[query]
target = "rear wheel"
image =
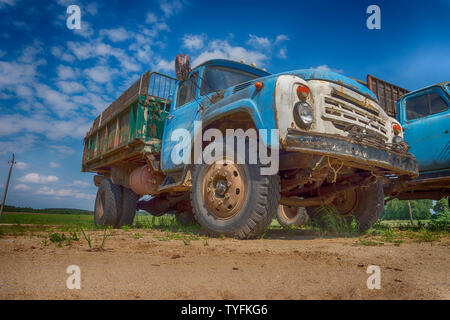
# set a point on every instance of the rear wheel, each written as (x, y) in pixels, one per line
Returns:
(107, 203)
(291, 216)
(128, 208)
(364, 203)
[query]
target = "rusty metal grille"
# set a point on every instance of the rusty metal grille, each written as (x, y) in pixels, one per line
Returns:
(343, 113)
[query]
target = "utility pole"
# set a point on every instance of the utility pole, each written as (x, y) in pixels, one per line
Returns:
(12, 162)
(410, 213)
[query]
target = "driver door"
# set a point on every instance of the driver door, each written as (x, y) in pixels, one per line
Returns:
(182, 116)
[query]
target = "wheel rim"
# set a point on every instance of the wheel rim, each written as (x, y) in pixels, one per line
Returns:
(288, 213)
(100, 202)
(224, 189)
(346, 202)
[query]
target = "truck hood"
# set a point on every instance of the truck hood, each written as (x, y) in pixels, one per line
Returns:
(326, 75)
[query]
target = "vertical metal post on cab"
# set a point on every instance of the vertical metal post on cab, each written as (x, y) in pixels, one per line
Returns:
(12, 162)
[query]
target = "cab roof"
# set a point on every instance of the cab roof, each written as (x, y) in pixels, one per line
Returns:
(234, 65)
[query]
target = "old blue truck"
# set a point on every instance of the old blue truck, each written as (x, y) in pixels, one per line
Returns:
(329, 139)
(425, 118)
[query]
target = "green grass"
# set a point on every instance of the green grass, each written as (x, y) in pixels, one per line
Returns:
(78, 226)
(48, 219)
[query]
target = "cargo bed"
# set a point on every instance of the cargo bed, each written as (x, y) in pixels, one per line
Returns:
(132, 126)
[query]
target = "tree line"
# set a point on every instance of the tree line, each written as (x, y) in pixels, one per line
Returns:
(47, 210)
(421, 209)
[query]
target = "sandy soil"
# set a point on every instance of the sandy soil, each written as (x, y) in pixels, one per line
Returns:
(281, 266)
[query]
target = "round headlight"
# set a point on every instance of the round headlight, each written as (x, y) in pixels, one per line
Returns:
(397, 139)
(303, 115)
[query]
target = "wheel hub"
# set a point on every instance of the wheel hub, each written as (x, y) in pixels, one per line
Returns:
(224, 189)
(345, 202)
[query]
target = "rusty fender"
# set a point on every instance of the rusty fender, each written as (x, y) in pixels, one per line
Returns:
(354, 152)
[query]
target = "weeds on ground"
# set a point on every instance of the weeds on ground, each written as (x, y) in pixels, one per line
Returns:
(429, 232)
(125, 228)
(164, 223)
(327, 220)
(87, 237)
(185, 237)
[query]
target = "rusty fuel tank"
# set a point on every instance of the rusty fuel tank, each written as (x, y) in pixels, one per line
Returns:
(145, 180)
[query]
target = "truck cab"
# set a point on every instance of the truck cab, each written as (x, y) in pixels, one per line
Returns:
(425, 118)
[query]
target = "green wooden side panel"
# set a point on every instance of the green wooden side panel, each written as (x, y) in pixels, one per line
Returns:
(140, 123)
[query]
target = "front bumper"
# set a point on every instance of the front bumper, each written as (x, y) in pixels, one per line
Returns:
(354, 153)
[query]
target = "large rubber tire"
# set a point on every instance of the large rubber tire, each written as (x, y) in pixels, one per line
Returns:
(367, 210)
(257, 209)
(128, 207)
(291, 216)
(107, 203)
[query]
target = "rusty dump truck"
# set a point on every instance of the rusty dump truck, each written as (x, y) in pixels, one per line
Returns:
(325, 135)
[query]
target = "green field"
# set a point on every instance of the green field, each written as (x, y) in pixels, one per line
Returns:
(46, 219)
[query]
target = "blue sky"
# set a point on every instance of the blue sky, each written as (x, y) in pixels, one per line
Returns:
(54, 81)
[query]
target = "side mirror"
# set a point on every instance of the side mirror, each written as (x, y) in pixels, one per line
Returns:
(182, 67)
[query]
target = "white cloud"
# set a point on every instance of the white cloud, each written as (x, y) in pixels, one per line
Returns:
(281, 38)
(21, 165)
(164, 65)
(61, 54)
(64, 193)
(14, 74)
(54, 129)
(59, 102)
(87, 50)
(30, 53)
(63, 149)
(116, 35)
(325, 67)
(54, 165)
(193, 42)
(92, 8)
(101, 74)
(82, 184)
(22, 186)
(151, 18)
(282, 54)
(259, 42)
(37, 178)
(7, 2)
(221, 49)
(70, 87)
(17, 144)
(86, 30)
(66, 72)
(171, 7)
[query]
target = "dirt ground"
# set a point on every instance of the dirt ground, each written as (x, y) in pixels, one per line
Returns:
(281, 266)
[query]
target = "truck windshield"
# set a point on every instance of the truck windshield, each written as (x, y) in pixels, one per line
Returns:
(218, 78)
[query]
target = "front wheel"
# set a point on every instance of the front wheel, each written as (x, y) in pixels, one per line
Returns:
(232, 199)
